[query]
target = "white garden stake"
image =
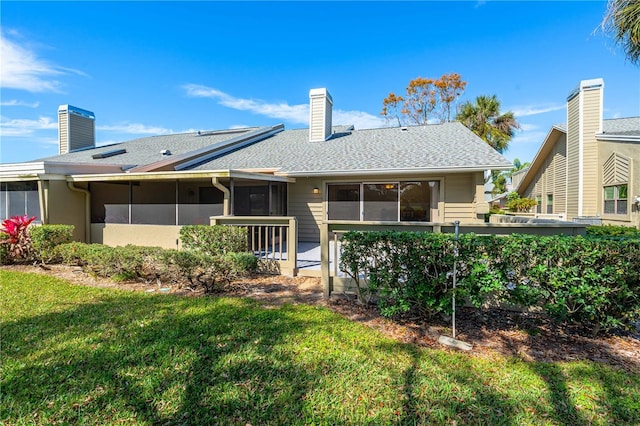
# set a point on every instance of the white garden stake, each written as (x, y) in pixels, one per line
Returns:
(452, 341)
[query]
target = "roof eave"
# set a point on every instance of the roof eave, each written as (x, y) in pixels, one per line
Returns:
(544, 148)
(617, 138)
(177, 175)
(388, 172)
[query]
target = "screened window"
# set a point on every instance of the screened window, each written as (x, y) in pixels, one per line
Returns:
(19, 199)
(615, 199)
(539, 205)
(197, 202)
(109, 202)
(155, 202)
(550, 203)
(344, 202)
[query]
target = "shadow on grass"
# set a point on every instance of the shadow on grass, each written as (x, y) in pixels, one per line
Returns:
(110, 357)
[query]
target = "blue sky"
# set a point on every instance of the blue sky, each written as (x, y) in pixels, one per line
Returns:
(147, 68)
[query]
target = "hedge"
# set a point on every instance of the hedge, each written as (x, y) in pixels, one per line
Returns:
(214, 240)
(45, 238)
(592, 281)
(131, 262)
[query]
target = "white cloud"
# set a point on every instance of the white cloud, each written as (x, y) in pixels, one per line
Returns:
(25, 127)
(360, 120)
(136, 129)
(527, 110)
(292, 113)
(22, 69)
(15, 102)
(527, 127)
(533, 137)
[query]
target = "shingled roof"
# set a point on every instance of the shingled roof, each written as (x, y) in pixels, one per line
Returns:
(445, 147)
(440, 147)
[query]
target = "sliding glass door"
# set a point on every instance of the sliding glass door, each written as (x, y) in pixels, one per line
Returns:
(415, 201)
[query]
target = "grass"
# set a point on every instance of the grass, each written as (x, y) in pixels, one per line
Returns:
(77, 355)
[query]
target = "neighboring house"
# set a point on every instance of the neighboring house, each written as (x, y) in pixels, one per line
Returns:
(142, 191)
(589, 168)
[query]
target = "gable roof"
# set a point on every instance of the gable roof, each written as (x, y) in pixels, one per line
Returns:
(622, 129)
(444, 147)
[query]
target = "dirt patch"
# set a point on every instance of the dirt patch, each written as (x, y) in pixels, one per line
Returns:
(526, 336)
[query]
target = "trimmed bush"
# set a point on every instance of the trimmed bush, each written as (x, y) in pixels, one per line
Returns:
(45, 238)
(612, 231)
(211, 273)
(119, 263)
(214, 240)
(590, 281)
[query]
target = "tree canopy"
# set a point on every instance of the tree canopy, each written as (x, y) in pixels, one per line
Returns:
(426, 100)
(483, 118)
(622, 20)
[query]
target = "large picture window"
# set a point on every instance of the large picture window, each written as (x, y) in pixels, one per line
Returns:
(615, 199)
(415, 201)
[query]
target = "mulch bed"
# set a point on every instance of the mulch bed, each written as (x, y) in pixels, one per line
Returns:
(526, 336)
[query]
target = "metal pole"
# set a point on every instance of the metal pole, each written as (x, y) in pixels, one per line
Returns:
(455, 260)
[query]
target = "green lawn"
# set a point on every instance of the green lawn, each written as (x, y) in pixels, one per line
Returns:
(76, 355)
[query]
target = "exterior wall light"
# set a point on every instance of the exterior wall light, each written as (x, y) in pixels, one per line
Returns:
(316, 190)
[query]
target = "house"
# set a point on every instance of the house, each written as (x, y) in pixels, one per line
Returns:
(141, 191)
(589, 168)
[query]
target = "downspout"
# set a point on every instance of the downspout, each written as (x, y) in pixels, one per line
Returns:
(227, 196)
(87, 210)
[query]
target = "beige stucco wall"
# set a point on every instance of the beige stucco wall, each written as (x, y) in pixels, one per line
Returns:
(64, 206)
(632, 151)
(117, 234)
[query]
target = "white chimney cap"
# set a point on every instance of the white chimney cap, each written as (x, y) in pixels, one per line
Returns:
(320, 92)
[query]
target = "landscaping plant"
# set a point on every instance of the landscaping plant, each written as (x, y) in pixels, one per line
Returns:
(590, 281)
(17, 241)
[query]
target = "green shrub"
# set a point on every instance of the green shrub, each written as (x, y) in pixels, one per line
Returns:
(211, 273)
(591, 281)
(45, 238)
(120, 263)
(4, 252)
(612, 231)
(214, 240)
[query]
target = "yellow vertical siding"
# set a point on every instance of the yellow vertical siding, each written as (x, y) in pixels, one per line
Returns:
(590, 171)
(307, 207)
(573, 156)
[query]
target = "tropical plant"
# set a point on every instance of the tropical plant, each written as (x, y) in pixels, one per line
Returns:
(622, 20)
(17, 241)
(485, 120)
(517, 204)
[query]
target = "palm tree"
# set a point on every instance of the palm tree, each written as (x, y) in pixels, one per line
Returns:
(485, 120)
(623, 21)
